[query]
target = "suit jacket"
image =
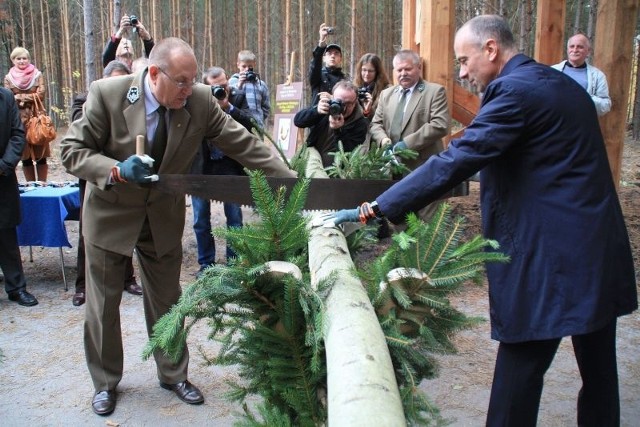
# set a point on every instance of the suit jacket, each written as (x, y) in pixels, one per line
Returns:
(547, 197)
(12, 143)
(424, 124)
(114, 215)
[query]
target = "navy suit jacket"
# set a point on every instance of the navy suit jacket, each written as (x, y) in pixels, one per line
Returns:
(12, 144)
(547, 197)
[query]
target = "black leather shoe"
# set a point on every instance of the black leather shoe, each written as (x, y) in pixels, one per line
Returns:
(104, 402)
(23, 297)
(185, 391)
(78, 299)
(133, 288)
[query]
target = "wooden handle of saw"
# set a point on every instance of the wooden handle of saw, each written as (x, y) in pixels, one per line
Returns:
(139, 145)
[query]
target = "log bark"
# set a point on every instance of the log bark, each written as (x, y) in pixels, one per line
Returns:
(362, 387)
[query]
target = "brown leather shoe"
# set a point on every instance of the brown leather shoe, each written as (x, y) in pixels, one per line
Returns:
(185, 391)
(133, 288)
(104, 402)
(78, 299)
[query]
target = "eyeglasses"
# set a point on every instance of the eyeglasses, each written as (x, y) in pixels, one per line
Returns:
(180, 85)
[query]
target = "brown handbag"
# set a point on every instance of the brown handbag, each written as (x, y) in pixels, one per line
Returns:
(40, 129)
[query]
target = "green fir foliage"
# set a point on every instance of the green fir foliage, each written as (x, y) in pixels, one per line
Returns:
(369, 163)
(270, 328)
(415, 314)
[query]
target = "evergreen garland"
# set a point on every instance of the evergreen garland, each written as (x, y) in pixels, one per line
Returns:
(271, 328)
(414, 311)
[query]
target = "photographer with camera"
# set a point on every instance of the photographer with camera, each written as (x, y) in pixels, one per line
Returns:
(334, 118)
(371, 79)
(119, 46)
(325, 68)
(211, 161)
(255, 89)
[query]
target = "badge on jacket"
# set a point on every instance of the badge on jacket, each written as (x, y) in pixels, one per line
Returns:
(133, 95)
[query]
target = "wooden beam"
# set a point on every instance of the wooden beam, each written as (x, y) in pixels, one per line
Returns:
(437, 25)
(615, 29)
(549, 40)
(465, 105)
(409, 14)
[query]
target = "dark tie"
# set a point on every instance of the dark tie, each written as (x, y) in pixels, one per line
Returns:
(396, 123)
(159, 139)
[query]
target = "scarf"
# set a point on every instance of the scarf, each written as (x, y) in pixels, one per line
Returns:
(24, 79)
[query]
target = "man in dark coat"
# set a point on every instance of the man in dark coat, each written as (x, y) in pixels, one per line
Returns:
(549, 199)
(325, 68)
(348, 125)
(11, 145)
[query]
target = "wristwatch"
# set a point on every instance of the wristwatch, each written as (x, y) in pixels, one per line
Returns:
(376, 209)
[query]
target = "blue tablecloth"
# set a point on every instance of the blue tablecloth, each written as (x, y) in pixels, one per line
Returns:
(44, 211)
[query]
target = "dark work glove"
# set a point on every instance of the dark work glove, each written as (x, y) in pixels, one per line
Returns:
(138, 169)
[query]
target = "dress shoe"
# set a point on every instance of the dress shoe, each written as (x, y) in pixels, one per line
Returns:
(104, 402)
(185, 391)
(78, 298)
(133, 288)
(23, 297)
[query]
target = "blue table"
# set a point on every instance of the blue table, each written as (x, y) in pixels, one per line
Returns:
(44, 211)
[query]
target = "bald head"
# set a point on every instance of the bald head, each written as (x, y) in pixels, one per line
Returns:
(578, 49)
(172, 71)
(483, 45)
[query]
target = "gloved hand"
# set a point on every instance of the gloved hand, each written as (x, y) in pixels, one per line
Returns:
(362, 213)
(138, 169)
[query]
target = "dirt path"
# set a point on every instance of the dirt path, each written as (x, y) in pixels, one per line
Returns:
(45, 381)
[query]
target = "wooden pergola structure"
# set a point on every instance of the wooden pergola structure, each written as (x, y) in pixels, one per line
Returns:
(428, 27)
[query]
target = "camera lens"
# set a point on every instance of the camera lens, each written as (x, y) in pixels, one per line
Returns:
(218, 92)
(251, 76)
(336, 107)
(134, 20)
(331, 30)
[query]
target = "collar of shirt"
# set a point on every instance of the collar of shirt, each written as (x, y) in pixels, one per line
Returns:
(584, 65)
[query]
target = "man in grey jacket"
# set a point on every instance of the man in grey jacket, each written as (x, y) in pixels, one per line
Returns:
(590, 78)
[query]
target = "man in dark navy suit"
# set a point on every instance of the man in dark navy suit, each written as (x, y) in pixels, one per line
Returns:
(11, 145)
(549, 199)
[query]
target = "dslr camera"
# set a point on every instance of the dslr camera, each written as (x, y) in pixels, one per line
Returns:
(134, 20)
(250, 75)
(331, 30)
(336, 107)
(218, 92)
(362, 93)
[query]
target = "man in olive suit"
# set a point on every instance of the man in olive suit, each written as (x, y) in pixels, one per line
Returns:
(413, 114)
(122, 211)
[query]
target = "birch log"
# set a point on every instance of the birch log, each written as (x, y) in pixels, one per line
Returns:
(362, 388)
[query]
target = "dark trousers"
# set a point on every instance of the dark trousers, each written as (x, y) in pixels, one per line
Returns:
(519, 375)
(11, 260)
(129, 274)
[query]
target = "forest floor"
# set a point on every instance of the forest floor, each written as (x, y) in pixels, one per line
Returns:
(45, 381)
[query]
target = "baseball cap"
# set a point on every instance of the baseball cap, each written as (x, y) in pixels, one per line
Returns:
(333, 46)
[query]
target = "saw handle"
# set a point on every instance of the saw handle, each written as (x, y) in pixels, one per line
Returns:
(139, 145)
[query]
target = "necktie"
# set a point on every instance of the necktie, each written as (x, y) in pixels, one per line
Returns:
(159, 139)
(396, 123)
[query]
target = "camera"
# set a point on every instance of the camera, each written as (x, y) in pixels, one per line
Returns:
(331, 30)
(218, 92)
(362, 93)
(134, 20)
(336, 107)
(250, 75)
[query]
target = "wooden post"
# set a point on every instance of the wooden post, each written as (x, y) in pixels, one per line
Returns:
(615, 29)
(550, 44)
